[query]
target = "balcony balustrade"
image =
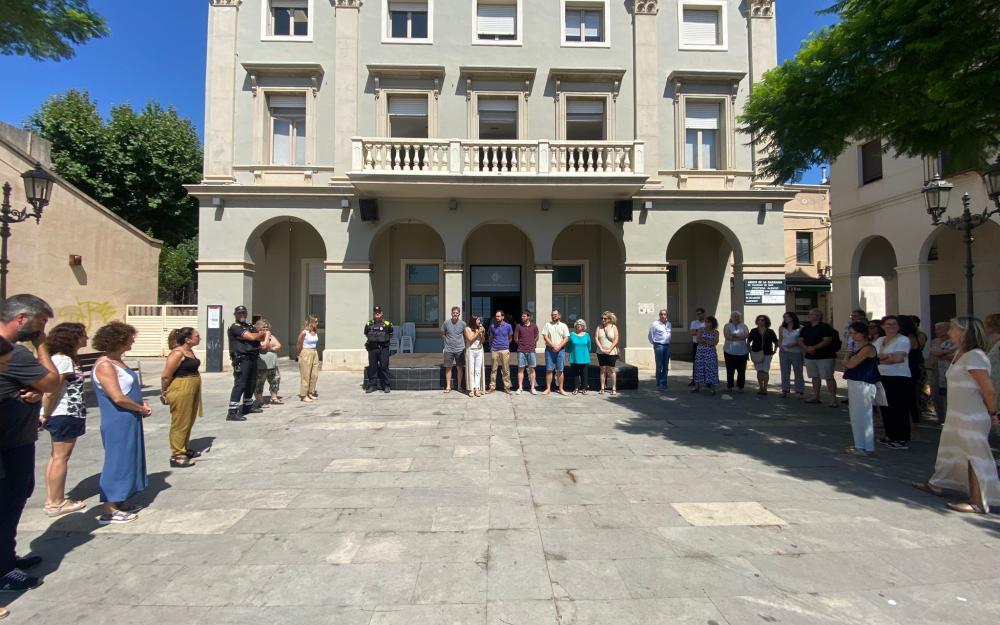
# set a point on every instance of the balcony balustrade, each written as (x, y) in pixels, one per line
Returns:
(461, 157)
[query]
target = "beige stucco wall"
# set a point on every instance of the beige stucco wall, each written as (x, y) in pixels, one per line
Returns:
(119, 262)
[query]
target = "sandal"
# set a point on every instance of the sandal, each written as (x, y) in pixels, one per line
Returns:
(181, 462)
(965, 506)
(192, 454)
(67, 506)
(927, 488)
(117, 517)
(131, 507)
(858, 452)
(276, 401)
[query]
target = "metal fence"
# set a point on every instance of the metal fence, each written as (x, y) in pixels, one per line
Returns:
(154, 324)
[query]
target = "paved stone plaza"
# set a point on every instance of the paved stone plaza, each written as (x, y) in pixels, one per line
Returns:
(420, 508)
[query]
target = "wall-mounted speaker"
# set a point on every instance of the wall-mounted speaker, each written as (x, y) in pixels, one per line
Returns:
(623, 210)
(369, 209)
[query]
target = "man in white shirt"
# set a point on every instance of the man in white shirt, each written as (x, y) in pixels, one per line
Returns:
(659, 335)
(696, 327)
(555, 334)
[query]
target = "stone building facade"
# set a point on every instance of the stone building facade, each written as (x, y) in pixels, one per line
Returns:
(514, 154)
(808, 250)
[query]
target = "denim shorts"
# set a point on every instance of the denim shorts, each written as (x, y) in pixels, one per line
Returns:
(555, 361)
(527, 359)
(65, 428)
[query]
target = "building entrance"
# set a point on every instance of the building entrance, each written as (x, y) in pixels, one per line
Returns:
(495, 287)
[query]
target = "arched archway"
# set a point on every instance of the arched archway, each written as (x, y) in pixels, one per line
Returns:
(499, 265)
(289, 280)
(588, 263)
(701, 257)
(407, 279)
(875, 264)
(944, 253)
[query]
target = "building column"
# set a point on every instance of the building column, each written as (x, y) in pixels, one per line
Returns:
(762, 40)
(645, 295)
(348, 309)
(543, 293)
(846, 294)
(220, 95)
(912, 293)
(453, 278)
(757, 271)
(227, 283)
(346, 102)
(647, 83)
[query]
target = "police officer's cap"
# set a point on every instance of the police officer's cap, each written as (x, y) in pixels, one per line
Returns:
(240, 309)
(377, 309)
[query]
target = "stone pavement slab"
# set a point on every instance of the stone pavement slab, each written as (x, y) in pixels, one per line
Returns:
(422, 508)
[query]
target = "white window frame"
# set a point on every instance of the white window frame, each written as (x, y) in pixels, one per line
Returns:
(518, 40)
(263, 136)
(726, 131)
(382, 109)
(386, 31)
(403, 262)
(265, 20)
(604, 5)
(706, 5)
(609, 111)
(583, 291)
(473, 114)
(678, 318)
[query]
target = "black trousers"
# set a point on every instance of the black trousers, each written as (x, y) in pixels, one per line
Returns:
(896, 416)
(244, 380)
(16, 486)
(580, 372)
(378, 365)
(737, 365)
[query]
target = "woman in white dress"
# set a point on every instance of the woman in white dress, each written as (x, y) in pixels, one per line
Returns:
(964, 461)
(475, 335)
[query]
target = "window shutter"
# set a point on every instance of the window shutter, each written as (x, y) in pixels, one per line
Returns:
(497, 19)
(408, 106)
(289, 4)
(578, 110)
(573, 24)
(701, 115)
(286, 101)
(701, 27)
(498, 104)
(417, 7)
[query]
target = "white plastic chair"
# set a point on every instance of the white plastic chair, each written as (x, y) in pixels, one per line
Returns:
(410, 330)
(394, 340)
(405, 343)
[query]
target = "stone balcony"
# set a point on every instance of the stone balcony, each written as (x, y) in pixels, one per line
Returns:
(464, 167)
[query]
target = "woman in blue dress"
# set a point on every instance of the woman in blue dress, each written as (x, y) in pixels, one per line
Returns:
(119, 396)
(706, 359)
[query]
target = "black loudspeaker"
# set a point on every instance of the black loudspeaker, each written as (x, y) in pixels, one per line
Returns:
(369, 209)
(623, 210)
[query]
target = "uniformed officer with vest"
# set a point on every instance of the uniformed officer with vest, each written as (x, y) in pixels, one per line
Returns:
(378, 331)
(244, 348)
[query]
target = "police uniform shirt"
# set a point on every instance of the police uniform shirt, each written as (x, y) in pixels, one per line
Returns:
(378, 333)
(239, 345)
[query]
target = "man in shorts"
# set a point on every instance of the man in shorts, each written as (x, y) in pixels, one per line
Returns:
(526, 337)
(817, 342)
(556, 335)
(453, 331)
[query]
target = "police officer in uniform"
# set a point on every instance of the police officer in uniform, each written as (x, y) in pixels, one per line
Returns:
(244, 348)
(378, 331)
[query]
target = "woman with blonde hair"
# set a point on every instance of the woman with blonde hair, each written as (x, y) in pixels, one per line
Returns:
(267, 366)
(579, 357)
(606, 339)
(965, 462)
(308, 358)
(180, 388)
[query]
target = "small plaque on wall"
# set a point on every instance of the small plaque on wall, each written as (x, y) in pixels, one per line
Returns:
(647, 309)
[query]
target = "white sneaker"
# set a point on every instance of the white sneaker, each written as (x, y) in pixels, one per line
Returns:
(533, 391)
(517, 392)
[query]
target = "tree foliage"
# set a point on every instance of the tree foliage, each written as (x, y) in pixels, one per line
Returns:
(47, 29)
(136, 164)
(922, 75)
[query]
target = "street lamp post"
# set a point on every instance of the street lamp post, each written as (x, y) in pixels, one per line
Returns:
(38, 190)
(936, 193)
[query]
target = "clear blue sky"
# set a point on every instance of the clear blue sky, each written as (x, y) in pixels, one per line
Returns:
(156, 51)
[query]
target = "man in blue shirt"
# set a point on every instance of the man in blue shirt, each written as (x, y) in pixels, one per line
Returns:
(659, 336)
(499, 337)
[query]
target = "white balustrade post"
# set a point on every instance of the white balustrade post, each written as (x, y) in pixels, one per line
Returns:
(639, 160)
(544, 157)
(357, 154)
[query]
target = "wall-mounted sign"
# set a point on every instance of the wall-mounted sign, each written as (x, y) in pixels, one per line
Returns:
(764, 292)
(495, 279)
(647, 309)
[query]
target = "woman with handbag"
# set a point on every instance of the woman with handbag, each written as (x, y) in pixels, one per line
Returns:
(861, 373)
(763, 342)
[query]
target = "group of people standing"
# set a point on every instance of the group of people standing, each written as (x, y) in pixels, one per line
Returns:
(465, 345)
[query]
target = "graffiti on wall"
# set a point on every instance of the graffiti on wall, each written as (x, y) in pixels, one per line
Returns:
(90, 313)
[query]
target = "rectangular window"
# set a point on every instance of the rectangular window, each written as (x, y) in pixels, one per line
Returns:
(408, 20)
(701, 135)
(584, 24)
(804, 248)
(497, 118)
(288, 129)
(674, 295)
(567, 274)
(288, 18)
(316, 290)
(701, 27)
(585, 119)
(871, 162)
(496, 20)
(422, 293)
(567, 291)
(408, 116)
